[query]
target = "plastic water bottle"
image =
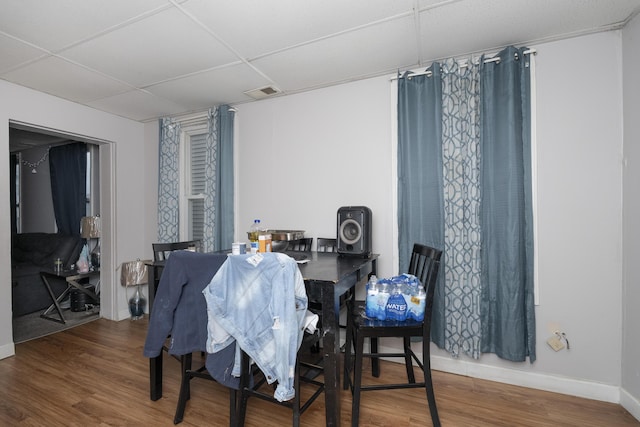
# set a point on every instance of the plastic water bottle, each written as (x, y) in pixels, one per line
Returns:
(383, 297)
(371, 306)
(396, 307)
(254, 235)
(417, 305)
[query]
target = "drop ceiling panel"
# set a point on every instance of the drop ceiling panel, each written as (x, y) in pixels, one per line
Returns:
(381, 48)
(55, 24)
(138, 105)
(203, 90)
(470, 27)
(61, 78)
(256, 27)
(14, 52)
(154, 49)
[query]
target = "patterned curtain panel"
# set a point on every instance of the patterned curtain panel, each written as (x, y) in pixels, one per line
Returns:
(448, 129)
(461, 172)
(168, 182)
(211, 181)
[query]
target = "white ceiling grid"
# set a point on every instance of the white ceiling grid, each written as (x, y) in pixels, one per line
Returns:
(146, 59)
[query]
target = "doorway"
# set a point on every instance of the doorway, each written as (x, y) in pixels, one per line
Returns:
(33, 207)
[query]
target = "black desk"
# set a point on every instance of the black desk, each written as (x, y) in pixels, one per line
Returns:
(327, 277)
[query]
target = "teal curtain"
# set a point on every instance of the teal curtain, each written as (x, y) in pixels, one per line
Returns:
(221, 204)
(507, 302)
(168, 182)
(459, 136)
(420, 196)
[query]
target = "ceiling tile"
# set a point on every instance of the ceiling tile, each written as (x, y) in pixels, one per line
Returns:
(138, 105)
(61, 78)
(14, 53)
(55, 24)
(381, 48)
(204, 90)
(256, 27)
(160, 47)
(497, 26)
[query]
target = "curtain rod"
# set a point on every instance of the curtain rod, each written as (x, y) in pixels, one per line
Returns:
(466, 64)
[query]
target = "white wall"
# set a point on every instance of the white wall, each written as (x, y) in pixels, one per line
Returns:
(124, 215)
(303, 156)
(631, 212)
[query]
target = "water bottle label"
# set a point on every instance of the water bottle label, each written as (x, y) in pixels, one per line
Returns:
(396, 308)
(416, 306)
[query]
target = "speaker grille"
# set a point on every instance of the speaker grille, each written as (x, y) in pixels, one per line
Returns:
(354, 230)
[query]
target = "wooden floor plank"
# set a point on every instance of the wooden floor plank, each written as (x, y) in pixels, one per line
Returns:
(95, 375)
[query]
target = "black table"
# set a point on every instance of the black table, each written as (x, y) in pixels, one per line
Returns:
(327, 277)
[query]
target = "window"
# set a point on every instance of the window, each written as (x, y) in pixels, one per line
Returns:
(193, 165)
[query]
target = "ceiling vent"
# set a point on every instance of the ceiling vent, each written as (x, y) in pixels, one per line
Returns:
(263, 92)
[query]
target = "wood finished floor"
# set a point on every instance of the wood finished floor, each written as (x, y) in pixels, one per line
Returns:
(95, 375)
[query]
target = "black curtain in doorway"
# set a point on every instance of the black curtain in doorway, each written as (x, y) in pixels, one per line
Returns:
(13, 166)
(68, 167)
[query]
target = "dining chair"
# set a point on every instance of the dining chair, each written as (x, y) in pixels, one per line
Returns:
(260, 301)
(424, 264)
(326, 245)
(161, 251)
(178, 324)
(300, 245)
(306, 371)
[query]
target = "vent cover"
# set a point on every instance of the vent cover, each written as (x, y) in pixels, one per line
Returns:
(262, 92)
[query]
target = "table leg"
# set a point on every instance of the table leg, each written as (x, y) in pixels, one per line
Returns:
(331, 349)
(56, 302)
(155, 363)
(155, 377)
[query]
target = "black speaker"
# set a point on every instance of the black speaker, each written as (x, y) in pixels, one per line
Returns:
(354, 231)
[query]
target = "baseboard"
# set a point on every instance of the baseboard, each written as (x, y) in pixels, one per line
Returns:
(7, 350)
(125, 314)
(630, 403)
(547, 382)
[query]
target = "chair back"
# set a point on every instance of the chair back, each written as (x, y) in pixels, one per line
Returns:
(161, 251)
(424, 264)
(300, 245)
(326, 245)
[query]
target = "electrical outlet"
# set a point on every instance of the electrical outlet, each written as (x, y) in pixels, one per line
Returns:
(555, 342)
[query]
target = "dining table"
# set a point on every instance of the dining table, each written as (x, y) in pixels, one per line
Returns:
(328, 278)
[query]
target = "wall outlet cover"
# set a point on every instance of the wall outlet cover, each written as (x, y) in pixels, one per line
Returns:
(555, 342)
